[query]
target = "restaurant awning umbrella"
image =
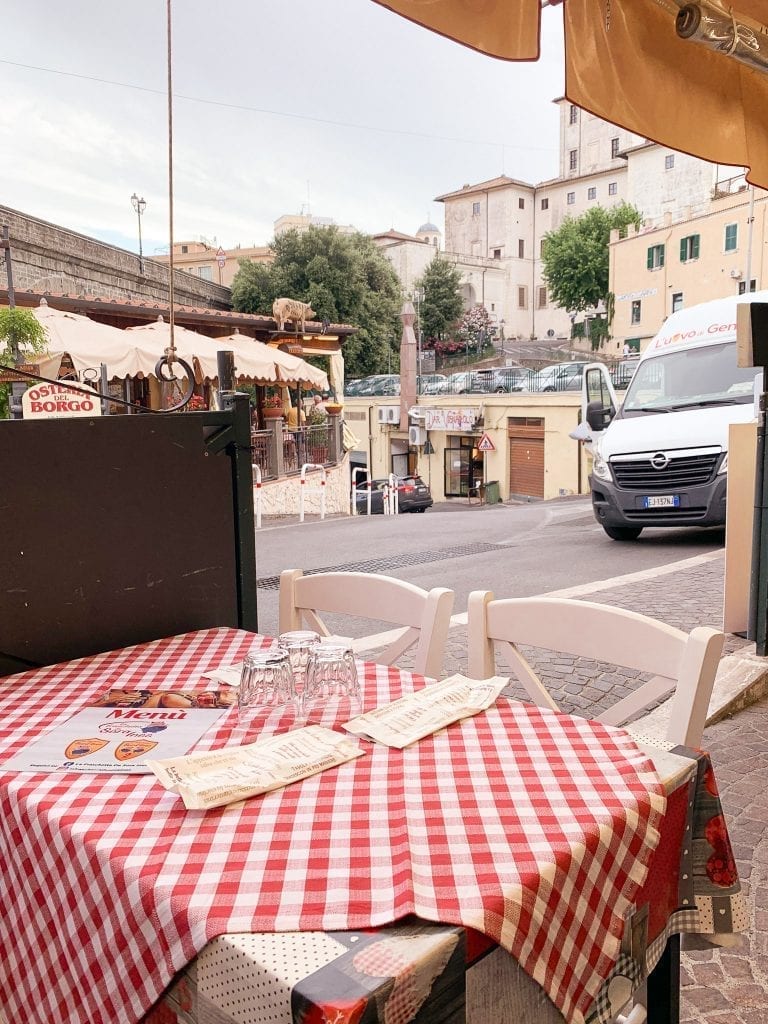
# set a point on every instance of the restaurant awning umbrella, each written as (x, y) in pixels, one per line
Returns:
(288, 369)
(250, 362)
(692, 76)
(89, 344)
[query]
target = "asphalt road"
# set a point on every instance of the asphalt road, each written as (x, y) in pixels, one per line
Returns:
(514, 550)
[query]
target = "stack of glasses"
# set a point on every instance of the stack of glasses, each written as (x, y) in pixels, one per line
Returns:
(302, 676)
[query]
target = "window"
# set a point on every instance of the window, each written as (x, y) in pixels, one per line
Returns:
(614, 148)
(636, 307)
(669, 161)
(743, 286)
(592, 193)
(571, 198)
(655, 257)
(731, 237)
(613, 188)
(475, 209)
(521, 248)
(497, 254)
(677, 301)
(572, 158)
(541, 246)
(545, 204)
(541, 301)
(522, 298)
(521, 203)
(206, 273)
(689, 248)
(573, 115)
(184, 249)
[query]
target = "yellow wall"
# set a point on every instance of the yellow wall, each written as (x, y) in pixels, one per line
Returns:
(565, 462)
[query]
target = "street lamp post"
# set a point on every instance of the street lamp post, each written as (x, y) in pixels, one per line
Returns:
(501, 334)
(139, 206)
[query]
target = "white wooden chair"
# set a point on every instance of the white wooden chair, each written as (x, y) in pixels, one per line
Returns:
(681, 664)
(425, 615)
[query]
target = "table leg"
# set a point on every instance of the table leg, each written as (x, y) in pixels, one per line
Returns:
(664, 986)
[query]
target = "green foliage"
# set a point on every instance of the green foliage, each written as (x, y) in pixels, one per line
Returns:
(18, 327)
(441, 305)
(345, 278)
(575, 256)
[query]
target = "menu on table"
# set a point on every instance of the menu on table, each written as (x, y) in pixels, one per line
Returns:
(235, 773)
(426, 711)
(123, 729)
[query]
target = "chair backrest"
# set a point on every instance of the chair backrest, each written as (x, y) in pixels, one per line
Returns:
(425, 615)
(681, 664)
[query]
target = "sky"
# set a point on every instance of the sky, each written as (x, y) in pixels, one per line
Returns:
(338, 108)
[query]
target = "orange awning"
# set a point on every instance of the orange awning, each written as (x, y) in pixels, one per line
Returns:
(626, 63)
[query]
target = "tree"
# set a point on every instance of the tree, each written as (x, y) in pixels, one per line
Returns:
(442, 304)
(18, 329)
(345, 278)
(575, 256)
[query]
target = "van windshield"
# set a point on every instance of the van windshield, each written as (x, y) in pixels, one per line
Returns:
(694, 378)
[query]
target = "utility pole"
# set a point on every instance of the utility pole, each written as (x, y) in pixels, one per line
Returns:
(18, 387)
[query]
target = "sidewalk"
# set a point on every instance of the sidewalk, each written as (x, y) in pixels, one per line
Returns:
(719, 986)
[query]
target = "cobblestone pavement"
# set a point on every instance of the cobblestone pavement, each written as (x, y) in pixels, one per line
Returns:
(730, 986)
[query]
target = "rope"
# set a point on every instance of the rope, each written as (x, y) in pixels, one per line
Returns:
(171, 350)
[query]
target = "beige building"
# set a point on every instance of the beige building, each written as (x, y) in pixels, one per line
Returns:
(530, 453)
(213, 263)
(679, 262)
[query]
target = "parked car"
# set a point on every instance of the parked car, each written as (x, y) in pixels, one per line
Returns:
(413, 495)
(507, 379)
(428, 379)
(623, 372)
(381, 384)
(559, 377)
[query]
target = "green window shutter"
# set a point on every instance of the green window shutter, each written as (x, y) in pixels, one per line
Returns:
(661, 255)
(683, 250)
(649, 264)
(695, 253)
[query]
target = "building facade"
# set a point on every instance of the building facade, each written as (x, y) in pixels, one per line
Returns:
(679, 262)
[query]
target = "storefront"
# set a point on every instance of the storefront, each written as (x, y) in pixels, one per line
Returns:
(462, 462)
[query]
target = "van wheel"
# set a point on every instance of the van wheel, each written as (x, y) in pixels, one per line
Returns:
(623, 532)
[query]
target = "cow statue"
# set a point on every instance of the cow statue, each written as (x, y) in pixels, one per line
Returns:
(291, 309)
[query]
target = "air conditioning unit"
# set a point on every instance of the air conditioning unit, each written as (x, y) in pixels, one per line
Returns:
(417, 436)
(735, 273)
(389, 413)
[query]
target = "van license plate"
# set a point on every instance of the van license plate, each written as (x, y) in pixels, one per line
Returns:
(662, 501)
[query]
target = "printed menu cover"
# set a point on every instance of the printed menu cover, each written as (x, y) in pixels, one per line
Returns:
(123, 730)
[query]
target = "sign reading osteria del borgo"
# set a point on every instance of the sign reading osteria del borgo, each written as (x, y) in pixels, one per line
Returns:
(52, 401)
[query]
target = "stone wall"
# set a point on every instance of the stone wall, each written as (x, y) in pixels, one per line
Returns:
(49, 258)
(282, 497)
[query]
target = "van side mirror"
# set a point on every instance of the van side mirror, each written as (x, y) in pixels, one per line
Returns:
(598, 415)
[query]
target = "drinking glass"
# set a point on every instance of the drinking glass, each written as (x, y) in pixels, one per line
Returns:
(266, 684)
(299, 644)
(331, 687)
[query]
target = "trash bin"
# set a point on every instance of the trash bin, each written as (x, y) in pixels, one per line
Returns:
(492, 495)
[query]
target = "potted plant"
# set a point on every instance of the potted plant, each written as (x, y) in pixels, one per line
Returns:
(273, 406)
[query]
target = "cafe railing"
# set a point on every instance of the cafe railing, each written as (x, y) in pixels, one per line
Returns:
(281, 451)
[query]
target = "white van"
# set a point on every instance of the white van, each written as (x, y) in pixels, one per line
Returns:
(660, 458)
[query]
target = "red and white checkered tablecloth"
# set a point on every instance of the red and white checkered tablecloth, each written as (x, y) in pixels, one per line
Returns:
(533, 827)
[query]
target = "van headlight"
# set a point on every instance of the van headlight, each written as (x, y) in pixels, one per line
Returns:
(723, 465)
(600, 467)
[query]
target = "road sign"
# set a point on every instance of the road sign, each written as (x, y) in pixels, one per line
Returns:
(485, 444)
(221, 257)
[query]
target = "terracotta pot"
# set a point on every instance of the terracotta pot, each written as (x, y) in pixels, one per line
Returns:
(270, 413)
(333, 408)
